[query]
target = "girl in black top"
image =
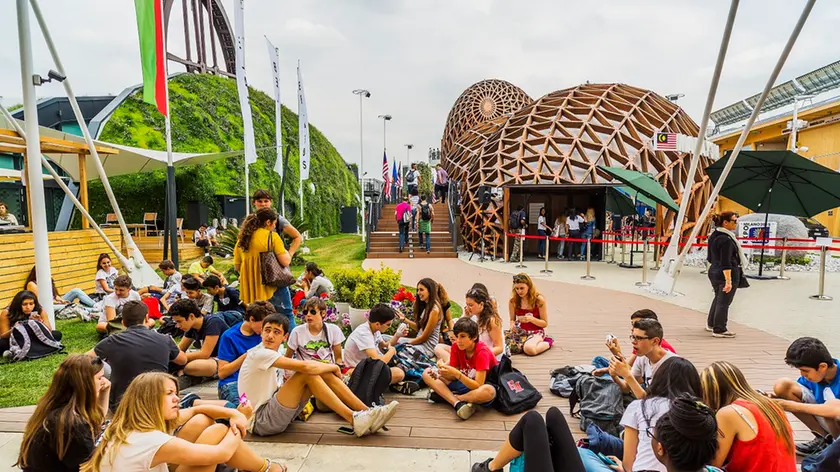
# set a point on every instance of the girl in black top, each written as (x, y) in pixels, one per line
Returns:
(726, 272)
(61, 433)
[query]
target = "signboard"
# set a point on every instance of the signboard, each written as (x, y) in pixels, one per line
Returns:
(757, 230)
(534, 212)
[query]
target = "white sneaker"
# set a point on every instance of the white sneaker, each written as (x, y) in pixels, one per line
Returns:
(728, 334)
(384, 413)
(709, 329)
(362, 421)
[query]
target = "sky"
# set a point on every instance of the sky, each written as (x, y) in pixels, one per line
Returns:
(416, 57)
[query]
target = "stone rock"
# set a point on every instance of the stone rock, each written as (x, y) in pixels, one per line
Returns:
(786, 227)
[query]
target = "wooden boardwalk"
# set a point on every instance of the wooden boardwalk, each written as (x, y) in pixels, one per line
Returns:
(580, 318)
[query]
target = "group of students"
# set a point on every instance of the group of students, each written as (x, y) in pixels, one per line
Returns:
(415, 213)
(573, 224)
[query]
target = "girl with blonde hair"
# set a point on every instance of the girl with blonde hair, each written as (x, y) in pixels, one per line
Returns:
(750, 424)
(529, 314)
(140, 437)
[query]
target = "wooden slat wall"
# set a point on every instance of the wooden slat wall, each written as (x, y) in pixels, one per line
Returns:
(73, 257)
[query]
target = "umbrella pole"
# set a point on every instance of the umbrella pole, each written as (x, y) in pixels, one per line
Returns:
(765, 234)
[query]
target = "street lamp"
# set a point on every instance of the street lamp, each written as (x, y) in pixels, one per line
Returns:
(674, 97)
(408, 148)
(362, 93)
(385, 119)
(794, 125)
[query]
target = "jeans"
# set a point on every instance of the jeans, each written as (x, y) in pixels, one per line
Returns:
(282, 301)
(573, 234)
(719, 311)
(229, 393)
(548, 444)
(403, 234)
(541, 242)
(561, 247)
(428, 240)
(586, 235)
(84, 299)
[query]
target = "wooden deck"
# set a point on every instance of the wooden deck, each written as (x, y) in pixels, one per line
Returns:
(152, 248)
(580, 318)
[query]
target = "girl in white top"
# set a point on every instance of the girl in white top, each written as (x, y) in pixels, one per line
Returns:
(482, 309)
(105, 275)
(140, 436)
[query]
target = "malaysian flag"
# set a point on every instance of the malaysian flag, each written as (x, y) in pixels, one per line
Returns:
(385, 176)
(665, 141)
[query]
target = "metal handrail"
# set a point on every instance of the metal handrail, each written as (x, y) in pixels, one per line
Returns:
(372, 219)
(452, 205)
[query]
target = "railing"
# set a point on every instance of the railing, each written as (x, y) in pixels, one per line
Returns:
(453, 197)
(373, 212)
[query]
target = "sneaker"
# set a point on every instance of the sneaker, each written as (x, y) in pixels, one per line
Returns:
(406, 387)
(188, 400)
(435, 398)
(709, 329)
(7, 355)
(813, 446)
(363, 420)
(464, 410)
(727, 334)
(384, 415)
(483, 466)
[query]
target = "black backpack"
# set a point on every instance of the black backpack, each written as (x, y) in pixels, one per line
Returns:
(563, 380)
(425, 212)
(514, 393)
(31, 339)
(370, 380)
(412, 361)
(167, 326)
(599, 402)
(515, 220)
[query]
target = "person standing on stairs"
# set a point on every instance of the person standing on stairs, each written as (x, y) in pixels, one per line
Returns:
(403, 215)
(424, 226)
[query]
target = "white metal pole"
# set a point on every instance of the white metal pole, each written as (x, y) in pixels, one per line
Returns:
(247, 190)
(793, 146)
(362, 164)
(38, 217)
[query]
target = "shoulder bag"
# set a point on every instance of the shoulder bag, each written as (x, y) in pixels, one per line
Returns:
(273, 273)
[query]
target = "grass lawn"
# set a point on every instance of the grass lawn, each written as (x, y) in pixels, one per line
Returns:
(23, 383)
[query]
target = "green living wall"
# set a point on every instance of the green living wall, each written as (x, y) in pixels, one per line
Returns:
(205, 119)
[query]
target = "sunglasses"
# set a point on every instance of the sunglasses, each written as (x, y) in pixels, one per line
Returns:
(309, 312)
(520, 278)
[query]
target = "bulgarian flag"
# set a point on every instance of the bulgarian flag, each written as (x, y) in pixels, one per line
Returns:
(152, 52)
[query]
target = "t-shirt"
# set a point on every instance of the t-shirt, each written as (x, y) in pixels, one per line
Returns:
(641, 415)
(644, 369)
(117, 303)
(361, 339)
(258, 378)
(282, 222)
(414, 200)
(574, 222)
(108, 277)
(402, 207)
(43, 456)
(195, 268)
(319, 285)
(171, 281)
(132, 352)
(411, 177)
(541, 223)
(229, 301)
(482, 359)
(205, 302)
(213, 325)
(197, 235)
(137, 453)
(309, 347)
(824, 391)
(233, 344)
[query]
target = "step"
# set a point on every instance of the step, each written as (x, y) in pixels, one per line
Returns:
(416, 255)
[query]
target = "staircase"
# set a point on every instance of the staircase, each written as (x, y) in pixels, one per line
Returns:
(385, 241)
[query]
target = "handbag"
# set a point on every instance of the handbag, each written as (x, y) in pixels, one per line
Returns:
(273, 273)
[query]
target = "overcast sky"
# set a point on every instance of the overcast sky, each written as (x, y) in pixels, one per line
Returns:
(416, 57)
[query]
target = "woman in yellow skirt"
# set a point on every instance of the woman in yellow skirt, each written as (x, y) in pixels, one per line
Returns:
(253, 240)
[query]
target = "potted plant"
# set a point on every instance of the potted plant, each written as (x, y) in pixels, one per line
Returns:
(363, 299)
(344, 282)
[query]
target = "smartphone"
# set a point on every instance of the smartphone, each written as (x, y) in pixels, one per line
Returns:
(243, 399)
(606, 460)
(346, 430)
(610, 338)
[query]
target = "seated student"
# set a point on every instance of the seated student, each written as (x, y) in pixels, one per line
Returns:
(203, 268)
(174, 293)
(106, 274)
(60, 434)
(201, 239)
(684, 440)
(24, 307)
(275, 408)
(315, 340)
(615, 347)
(481, 309)
(226, 298)
(141, 437)
(192, 291)
(71, 296)
(428, 318)
(818, 383)
(647, 339)
(366, 341)
(313, 282)
(211, 235)
(113, 303)
(461, 383)
(204, 331)
(529, 311)
(173, 279)
(136, 350)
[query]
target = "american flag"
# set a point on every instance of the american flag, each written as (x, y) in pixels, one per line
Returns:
(385, 175)
(398, 171)
(665, 142)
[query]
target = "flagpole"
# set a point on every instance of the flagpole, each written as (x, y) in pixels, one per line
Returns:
(171, 204)
(300, 149)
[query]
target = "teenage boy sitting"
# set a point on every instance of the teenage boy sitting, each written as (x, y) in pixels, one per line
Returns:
(113, 303)
(173, 278)
(366, 341)
(315, 340)
(226, 298)
(818, 384)
(203, 268)
(136, 350)
(615, 347)
(647, 343)
(461, 383)
(275, 408)
(204, 331)
(192, 290)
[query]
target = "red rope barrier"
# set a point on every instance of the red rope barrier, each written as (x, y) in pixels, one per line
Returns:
(681, 244)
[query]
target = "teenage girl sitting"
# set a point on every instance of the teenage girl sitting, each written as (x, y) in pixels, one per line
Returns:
(529, 312)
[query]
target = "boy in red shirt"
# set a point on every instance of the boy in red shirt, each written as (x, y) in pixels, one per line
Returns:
(461, 383)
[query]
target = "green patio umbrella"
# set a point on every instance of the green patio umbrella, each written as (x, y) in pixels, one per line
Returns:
(619, 203)
(642, 183)
(781, 182)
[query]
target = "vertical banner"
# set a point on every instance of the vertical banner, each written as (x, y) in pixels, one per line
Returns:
(242, 83)
(274, 57)
(303, 129)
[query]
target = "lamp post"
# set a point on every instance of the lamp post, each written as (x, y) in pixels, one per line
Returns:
(385, 119)
(408, 148)
(362, 93)
(794, 125)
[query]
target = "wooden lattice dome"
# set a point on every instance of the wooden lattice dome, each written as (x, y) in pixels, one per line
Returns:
(562, 138)
(483, 101)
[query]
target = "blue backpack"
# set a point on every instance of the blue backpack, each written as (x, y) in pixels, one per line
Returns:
(413, 362)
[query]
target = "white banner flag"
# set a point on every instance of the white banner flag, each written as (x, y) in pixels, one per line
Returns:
(242, 83)
(303, 129)
(274, 57)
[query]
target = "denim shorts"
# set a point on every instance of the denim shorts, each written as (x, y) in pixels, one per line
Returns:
(229, 393)
(459, 388)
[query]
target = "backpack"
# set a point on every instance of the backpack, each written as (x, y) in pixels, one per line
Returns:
(563, 380)
(413, 362)
(31, 339)
(370, 379)
(425, 212)
(72, 311)
(167, 326)
(515, 220)
(599, 402)
(231, 318)
(406, 216)
(514, 393)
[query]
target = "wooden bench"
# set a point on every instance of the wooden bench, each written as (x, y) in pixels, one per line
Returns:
(73, 257)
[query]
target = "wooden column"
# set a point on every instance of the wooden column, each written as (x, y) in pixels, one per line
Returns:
(83, 188)
(506, 217)
(24, 177)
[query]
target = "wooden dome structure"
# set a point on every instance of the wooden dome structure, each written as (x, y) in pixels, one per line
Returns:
(563, 137)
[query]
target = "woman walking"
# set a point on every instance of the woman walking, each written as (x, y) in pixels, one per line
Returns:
(560, 231)
(588, 230)
(727, 260)
(257, 236)
(542, 230)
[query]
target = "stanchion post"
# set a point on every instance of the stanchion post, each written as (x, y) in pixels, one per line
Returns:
(521, 251)
(782, 275)
(644, 282)
(821, 295)
(656, 257)
(623, 251)
(588, 275)
(506, 248)
(612, 251)
(547, 247)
